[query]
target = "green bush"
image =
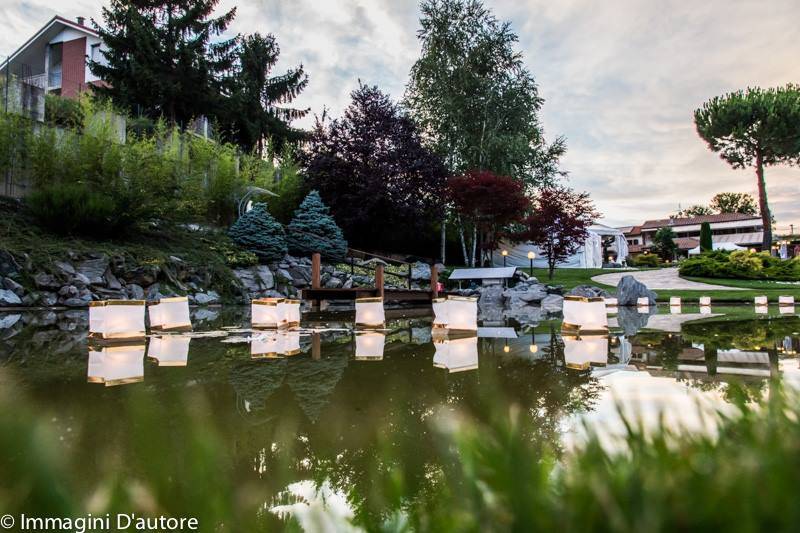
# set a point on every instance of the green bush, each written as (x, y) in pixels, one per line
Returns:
(313, 229)
(741, 264)
(646, 260)
(64, 112)
(69, 209)
(258, 232)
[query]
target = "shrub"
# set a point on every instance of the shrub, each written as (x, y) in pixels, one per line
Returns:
(313, 229)
(741, 264)
(69, 209)
(64, 112)
(258, 232)
(646, 260)
(706, 241)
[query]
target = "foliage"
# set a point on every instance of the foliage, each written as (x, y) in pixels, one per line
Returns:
(645, 260)
(259, 233)
(756, 128)
(471, 93)
(64, 112)
(253, 114)
(287, 182)
(486, 202)
(741, 264)
(68, 209)
(734, 202)
(383, 186)
(313, 229)
(559, 223)
(706, 240)
(664, 243)
(695, 211)
(159, 58)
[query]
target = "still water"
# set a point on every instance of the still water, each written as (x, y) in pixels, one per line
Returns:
(321, 403)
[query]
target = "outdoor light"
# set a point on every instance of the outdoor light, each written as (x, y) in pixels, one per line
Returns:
(169, 350)
(456, 355)
(785, 300)
(674, 301)
(504, 253)
(705, 301)
(289, 311)
(369, 312)
(369, 346)
(533, 348)
(752, 250)
(506, 347)
(462, 314)
(439, 312)
(116, 365)
(584, 315)
(531, 256)
(582, 352)
(264, 313)
(760, 300)
(170, 314)
(117, 320)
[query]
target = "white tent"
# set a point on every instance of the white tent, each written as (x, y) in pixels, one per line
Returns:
(590, 255)
(727, 246)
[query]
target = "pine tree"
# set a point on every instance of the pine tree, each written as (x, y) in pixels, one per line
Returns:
(706, 242)
(313, 229)
(260, 233)
(159, 58)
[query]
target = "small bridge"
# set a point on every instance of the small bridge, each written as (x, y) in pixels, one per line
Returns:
(317, 293)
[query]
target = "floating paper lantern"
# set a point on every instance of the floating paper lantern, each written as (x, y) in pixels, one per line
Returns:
(369, 312)
(117, 320)
(762, 309)
(705, 310)
(265, 313)
(290, 311)
(456, 355)
(786, 309)
(462, 314)
(440, 308)
(169, 350)
(674, 300)
(582, 352)
(705, 301)
(643, 301)
(369, 346)
(582, 314)
(760, 300)
(116, 365)
(785, 300)
(170, 314)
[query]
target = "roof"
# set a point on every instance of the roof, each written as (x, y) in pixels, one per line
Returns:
(686, 243)
(754, 237)
(483, 273)
(690, 221)
(56, 20)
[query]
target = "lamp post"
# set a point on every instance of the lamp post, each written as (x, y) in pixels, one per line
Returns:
(504, 253)
(531, 256)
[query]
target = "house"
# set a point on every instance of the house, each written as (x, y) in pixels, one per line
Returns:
(55, 59)
(736, 228)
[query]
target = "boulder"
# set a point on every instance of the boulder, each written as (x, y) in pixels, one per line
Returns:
(68, 291)
(46, 281)
(589, 291)
(111, 280)
(631, 320)
(524, 295)
(48, 299)
(80, 280)
(420, 271)
(491, 304)
(94, 269)
(8, 265)
(552, 303)
(555, 289)
(206, 298)
(6, 321)
(9, 299)
(629, 290)
(255, 279)
(64, 268)
(334, 283)
(143, 276)
(135, 292)
(11, 285)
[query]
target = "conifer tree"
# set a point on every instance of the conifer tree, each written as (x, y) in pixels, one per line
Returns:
(313, 229)
(260, 233)
(706, 241)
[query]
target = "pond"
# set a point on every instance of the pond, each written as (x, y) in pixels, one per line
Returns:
(325, 403)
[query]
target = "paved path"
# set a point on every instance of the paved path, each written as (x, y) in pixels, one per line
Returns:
(662, 278)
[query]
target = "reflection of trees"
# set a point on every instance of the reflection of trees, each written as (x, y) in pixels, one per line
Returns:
(742, 334)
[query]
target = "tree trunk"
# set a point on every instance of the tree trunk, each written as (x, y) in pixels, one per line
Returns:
(766, 217)
(463, 242)
(474, 245)
(443, 239)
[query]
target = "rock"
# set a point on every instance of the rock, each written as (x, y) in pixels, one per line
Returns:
(373, 262)
(46, 281)
(554, 289)
(76, 302)
(300, 276)
(111, 280)
(420, 271)
(135, 292)
(334, 283)
(552, 303)
(64, 268)
(6, 321)
(80, 280)
(206, 298)
(13, 286)
(94, 269)
(143, 276)
(631, 320)
(589, 291)
(154, 292)
(629, 290)
(8, 265)
(255, 279)
(9, 299)
(48, 299)
(68, 291)
(348, 284)
(491, 304)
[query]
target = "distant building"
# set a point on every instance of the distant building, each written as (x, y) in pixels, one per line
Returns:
(743, 230)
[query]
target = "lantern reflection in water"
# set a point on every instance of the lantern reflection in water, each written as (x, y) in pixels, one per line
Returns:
(584, 351)
(274, 345)
(116, 365)
(169, 350)
(786, 309)
(585, 315)
(369, 346)
(369, 312)
(761, 309)
(289, 311)
(117, 320)
(439, 312)
(265, 313)
(456, 355)
(170, 314)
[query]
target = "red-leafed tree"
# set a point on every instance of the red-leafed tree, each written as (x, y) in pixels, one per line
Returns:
(485, 203)
(559, 223)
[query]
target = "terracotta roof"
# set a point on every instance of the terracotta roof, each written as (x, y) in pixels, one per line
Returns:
(690, 221)
(635, 230)
(686, 243)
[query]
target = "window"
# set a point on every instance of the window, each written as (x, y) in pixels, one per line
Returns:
(96, 54)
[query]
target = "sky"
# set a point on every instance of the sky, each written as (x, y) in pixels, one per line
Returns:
(620, 78)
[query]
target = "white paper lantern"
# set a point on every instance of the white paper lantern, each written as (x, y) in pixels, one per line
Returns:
(266, 346)
(761, 309)
(369, 312)
(583, 314)
(612, 310)
(705, 310)
(674, 300)
(705, 301)
(786, 309)
(582, 352)
(116, 365)
(760, 300)
(290, 312)
(462, 314)
(170, 314)
(169, 350)
(643, 301)
(785, 300)
(613, 302)
(675, 309)
(265, 313)
(456, 355)
(440, 307)
(369, 346)
(290, 343)
(117, 320)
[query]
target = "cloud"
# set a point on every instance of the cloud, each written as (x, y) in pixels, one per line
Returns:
(621, 79)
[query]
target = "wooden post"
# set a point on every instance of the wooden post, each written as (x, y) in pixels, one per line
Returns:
(316, 269)
(316, 346)
(409, 276)
(434, 282)
(379, 280)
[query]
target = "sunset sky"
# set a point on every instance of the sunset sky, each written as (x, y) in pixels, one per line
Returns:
(621, 79)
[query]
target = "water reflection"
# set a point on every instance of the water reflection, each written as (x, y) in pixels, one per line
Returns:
(456, 355)
(116, 365)
(369, 346)
(169, 350)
